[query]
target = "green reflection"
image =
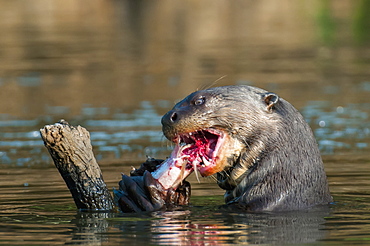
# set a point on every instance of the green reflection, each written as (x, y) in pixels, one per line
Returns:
(207, 200)
(326, 23)
(361, 22)
(54, 207)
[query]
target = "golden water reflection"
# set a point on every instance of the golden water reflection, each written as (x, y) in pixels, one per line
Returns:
(119, 53)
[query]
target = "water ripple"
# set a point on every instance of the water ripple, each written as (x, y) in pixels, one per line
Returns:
(339, 127)
(336, 128)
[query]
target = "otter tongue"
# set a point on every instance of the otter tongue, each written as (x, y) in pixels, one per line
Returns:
(173, 170)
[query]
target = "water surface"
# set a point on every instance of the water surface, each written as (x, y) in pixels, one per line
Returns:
(115, 67)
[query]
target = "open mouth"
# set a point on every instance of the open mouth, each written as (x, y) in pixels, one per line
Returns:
(201, 150)
(209, 151)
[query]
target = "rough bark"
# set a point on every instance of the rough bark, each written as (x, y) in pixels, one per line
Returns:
(72, 153)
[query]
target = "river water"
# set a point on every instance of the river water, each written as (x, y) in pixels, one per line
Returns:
(115, 67)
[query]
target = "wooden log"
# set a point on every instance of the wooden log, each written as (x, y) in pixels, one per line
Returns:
(71, 151)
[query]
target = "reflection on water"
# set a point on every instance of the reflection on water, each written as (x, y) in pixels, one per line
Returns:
(115, 67)
(199, 225)
(42, 206)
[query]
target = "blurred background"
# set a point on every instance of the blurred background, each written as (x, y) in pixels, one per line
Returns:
(116, 66)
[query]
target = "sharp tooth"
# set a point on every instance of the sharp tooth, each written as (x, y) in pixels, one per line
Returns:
(206, 163)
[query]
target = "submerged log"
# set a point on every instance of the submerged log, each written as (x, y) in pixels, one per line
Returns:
(71, 151)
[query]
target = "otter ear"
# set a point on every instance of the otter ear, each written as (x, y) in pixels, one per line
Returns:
(270, 99)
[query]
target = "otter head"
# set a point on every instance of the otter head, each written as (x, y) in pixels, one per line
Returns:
(222, 130)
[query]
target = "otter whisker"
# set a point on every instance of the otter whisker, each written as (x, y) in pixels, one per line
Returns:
(212, 177)
(207, 86)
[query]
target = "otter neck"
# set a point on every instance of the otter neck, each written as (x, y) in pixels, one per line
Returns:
(244, 164)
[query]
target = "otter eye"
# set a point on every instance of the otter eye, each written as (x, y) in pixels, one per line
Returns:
(199, 101)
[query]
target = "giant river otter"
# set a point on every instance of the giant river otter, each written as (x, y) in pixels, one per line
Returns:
(263, 152)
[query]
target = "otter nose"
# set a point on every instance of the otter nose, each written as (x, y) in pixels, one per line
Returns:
(170, 118)
(173, 117)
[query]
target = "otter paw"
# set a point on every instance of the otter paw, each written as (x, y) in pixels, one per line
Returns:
(146, 194)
